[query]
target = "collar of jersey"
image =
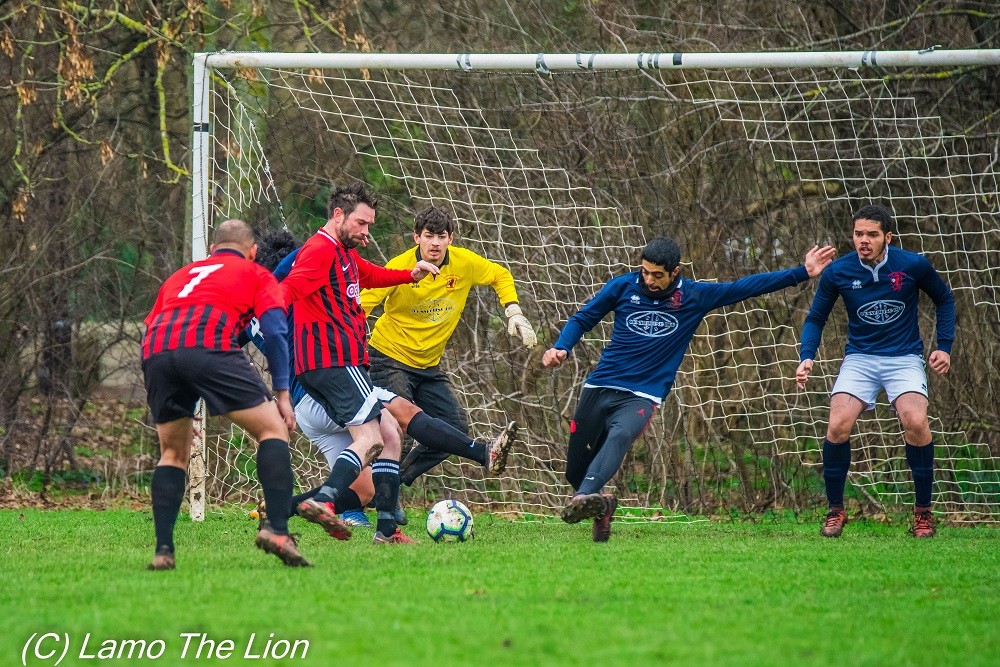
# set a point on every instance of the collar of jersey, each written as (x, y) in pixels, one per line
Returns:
(445, 256)
(875, 269)
(328, 236)
(229, 251)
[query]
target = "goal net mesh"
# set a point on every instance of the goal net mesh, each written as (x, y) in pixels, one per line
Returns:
(563, 177)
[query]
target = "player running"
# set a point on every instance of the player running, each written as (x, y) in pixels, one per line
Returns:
(189, 350)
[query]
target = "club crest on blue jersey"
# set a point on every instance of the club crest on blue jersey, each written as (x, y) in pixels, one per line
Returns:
(651, 323)
(896, 280)
(881, 312)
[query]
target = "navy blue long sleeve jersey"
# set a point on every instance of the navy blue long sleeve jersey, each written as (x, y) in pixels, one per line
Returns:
(650, 335)
(881, 304)
(294, 388)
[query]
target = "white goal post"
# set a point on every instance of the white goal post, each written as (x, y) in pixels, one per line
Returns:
(561, 166)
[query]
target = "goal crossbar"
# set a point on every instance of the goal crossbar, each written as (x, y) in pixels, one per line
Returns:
(551, 62)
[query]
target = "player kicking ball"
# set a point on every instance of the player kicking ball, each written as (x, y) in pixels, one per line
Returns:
(657, 313)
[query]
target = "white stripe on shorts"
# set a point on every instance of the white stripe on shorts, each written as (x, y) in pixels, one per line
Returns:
(367, 390)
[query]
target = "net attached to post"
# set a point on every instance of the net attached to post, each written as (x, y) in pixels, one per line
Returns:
(563, 177)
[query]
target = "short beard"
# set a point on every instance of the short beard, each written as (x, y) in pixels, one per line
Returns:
(347, 241)
(665, 293)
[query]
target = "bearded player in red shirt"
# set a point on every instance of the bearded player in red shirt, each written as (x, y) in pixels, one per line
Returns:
(189, 351)
(331, 353)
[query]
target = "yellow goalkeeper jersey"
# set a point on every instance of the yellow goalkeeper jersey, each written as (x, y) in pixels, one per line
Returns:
(419, 318)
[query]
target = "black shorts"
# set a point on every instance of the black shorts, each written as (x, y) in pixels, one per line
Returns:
(427, 388)
(345, 392)
(176, 379)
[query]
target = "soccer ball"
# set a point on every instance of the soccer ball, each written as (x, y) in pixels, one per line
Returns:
(449, 521)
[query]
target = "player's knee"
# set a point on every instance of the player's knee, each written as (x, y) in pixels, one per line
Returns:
(839, 431)
(918, 433)
(175, 458)
(368, 449)
(914, 423)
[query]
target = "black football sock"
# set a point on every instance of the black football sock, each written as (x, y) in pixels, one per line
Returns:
(385, 476)
(921, 460)
(836, 463)
(311, 493)
(274, 470)
(418, 461)
(167, 490)
(345, 470)
(347, 500)
(439, 435)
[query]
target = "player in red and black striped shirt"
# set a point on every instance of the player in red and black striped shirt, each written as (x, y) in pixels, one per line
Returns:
(331, 353)
(189, 351)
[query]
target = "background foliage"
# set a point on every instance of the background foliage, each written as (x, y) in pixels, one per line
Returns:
(94, 182)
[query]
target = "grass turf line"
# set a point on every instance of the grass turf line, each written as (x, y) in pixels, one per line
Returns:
(519, 594)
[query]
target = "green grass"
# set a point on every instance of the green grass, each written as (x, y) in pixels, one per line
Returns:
(519, 594)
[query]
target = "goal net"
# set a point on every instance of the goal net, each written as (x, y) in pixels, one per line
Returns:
(562, 170)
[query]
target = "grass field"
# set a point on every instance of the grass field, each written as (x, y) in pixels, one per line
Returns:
(519, 594)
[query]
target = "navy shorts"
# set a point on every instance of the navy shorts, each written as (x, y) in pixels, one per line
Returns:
(176, 379)
(345, 392)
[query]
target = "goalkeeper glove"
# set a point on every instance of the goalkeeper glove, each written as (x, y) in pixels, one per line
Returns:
(518, 325)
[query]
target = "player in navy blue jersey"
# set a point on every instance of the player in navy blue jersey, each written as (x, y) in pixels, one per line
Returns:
(880, 285)
(189, 351)
(657, 313)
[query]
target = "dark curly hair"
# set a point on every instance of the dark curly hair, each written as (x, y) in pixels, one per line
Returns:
(274, 247)
(875, 213)
(435, 220)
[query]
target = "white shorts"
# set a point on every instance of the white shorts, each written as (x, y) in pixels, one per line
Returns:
(865, 375)
(329, 437)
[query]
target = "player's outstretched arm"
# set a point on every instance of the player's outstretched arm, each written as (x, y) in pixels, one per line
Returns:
(553, 357)
(802, 373)
(939, 361)
(818, 259)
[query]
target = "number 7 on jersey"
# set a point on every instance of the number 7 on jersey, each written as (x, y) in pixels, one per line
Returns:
(199, 274)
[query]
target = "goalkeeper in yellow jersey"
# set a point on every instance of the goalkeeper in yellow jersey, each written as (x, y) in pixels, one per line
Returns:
(409, 338)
